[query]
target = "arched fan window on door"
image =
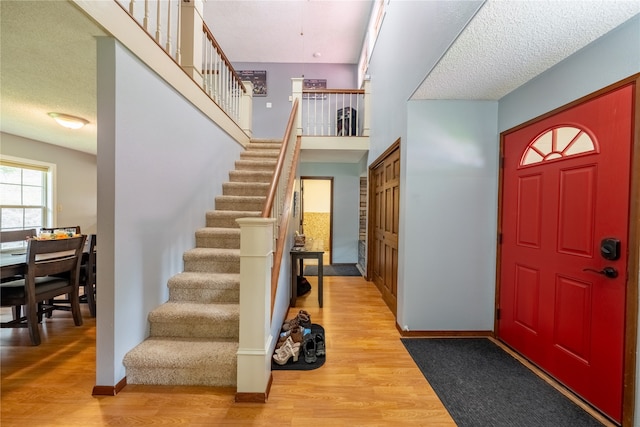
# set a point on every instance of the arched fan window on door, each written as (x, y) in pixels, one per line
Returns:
(558, 143)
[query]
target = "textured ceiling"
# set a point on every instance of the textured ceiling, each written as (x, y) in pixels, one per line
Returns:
(290, 31)
(48, 56)
(510, 42)
(48, 65)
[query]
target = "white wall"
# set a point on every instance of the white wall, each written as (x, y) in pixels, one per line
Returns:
(75, 186)
(448, 216)
(160, 165)
(398, 65)
(317, 195)
(346, 203)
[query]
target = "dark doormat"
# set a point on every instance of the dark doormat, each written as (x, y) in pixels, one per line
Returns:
(482, 385)
(333, 270)
(301, 365)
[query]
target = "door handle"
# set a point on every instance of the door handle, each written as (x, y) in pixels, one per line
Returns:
(609, 272)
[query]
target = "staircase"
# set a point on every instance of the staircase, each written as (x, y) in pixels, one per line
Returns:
(193, 337)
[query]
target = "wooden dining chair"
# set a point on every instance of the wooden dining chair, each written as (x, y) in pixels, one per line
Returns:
(15, 236)
(45, 278)
(88, 275)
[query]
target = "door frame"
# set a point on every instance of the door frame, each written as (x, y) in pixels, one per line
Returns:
(301, 225)
(633, 239)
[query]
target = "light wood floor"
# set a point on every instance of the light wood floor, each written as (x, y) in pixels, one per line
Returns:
(368, 378)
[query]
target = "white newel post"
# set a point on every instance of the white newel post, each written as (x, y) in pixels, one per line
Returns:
(296, 93)
(256, 260)
(191, 38)
(366, 124)
(246, 108)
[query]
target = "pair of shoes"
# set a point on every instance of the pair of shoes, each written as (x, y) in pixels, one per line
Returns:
(320, 346)
(288, 324)
(304, 319)
(309, 349)
(286, 352)
(296, 333)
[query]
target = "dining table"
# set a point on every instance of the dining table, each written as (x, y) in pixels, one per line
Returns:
(14, 263)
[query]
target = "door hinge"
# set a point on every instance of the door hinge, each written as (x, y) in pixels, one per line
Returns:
(497, 314)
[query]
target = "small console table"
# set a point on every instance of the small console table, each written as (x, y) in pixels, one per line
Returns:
(297, 256)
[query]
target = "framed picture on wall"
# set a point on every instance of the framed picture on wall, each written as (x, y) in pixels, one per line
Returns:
(258, 78)
(311, 84)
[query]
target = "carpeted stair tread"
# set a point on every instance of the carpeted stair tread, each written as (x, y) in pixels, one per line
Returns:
(190, 319)
(245, 188)
(250, 176)
(264, 146)
(228, 218)
(173, 361)
(191, 311)
(205, 288)
(218, 237)
(212, 260)
(256, 165)
(257, 154)
(196, 280)
(245, 203)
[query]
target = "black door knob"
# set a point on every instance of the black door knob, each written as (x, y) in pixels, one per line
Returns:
(609, 272)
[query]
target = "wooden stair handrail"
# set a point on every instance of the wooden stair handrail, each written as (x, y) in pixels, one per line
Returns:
(266, 211)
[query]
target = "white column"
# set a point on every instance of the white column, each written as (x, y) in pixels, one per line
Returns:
(191, 38)
(256, 260)
(246, 109)
(296, 93)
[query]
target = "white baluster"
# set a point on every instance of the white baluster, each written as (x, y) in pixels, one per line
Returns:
(131, 7)
(145, 21)
(158, 26)
(178, 35)
(168, 45)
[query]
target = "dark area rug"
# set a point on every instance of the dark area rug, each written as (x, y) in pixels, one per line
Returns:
(333, 270)
(482, 385)
(301, 365)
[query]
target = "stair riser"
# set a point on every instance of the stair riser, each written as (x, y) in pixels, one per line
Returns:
(224, 220)
(249, 176)
(228, 189)
(212, 266)
(223, 204)
(264, 146)
(205, 296)
(213, 376)
(247, 165)
(259, 155)
(218, 242)
(218, 329)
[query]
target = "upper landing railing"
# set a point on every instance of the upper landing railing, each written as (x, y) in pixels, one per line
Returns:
(332, 112)
(177, 27)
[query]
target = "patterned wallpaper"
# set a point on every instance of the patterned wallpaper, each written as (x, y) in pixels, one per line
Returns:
(316, 226)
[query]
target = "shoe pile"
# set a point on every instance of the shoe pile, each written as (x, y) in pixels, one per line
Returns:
(296, 336)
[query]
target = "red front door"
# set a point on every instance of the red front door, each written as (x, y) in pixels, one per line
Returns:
(565, 189)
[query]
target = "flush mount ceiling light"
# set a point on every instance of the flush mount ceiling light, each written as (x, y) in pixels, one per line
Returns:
(68, 121)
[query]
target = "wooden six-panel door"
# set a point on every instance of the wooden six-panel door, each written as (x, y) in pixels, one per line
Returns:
(384, 213)
(565, 190)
